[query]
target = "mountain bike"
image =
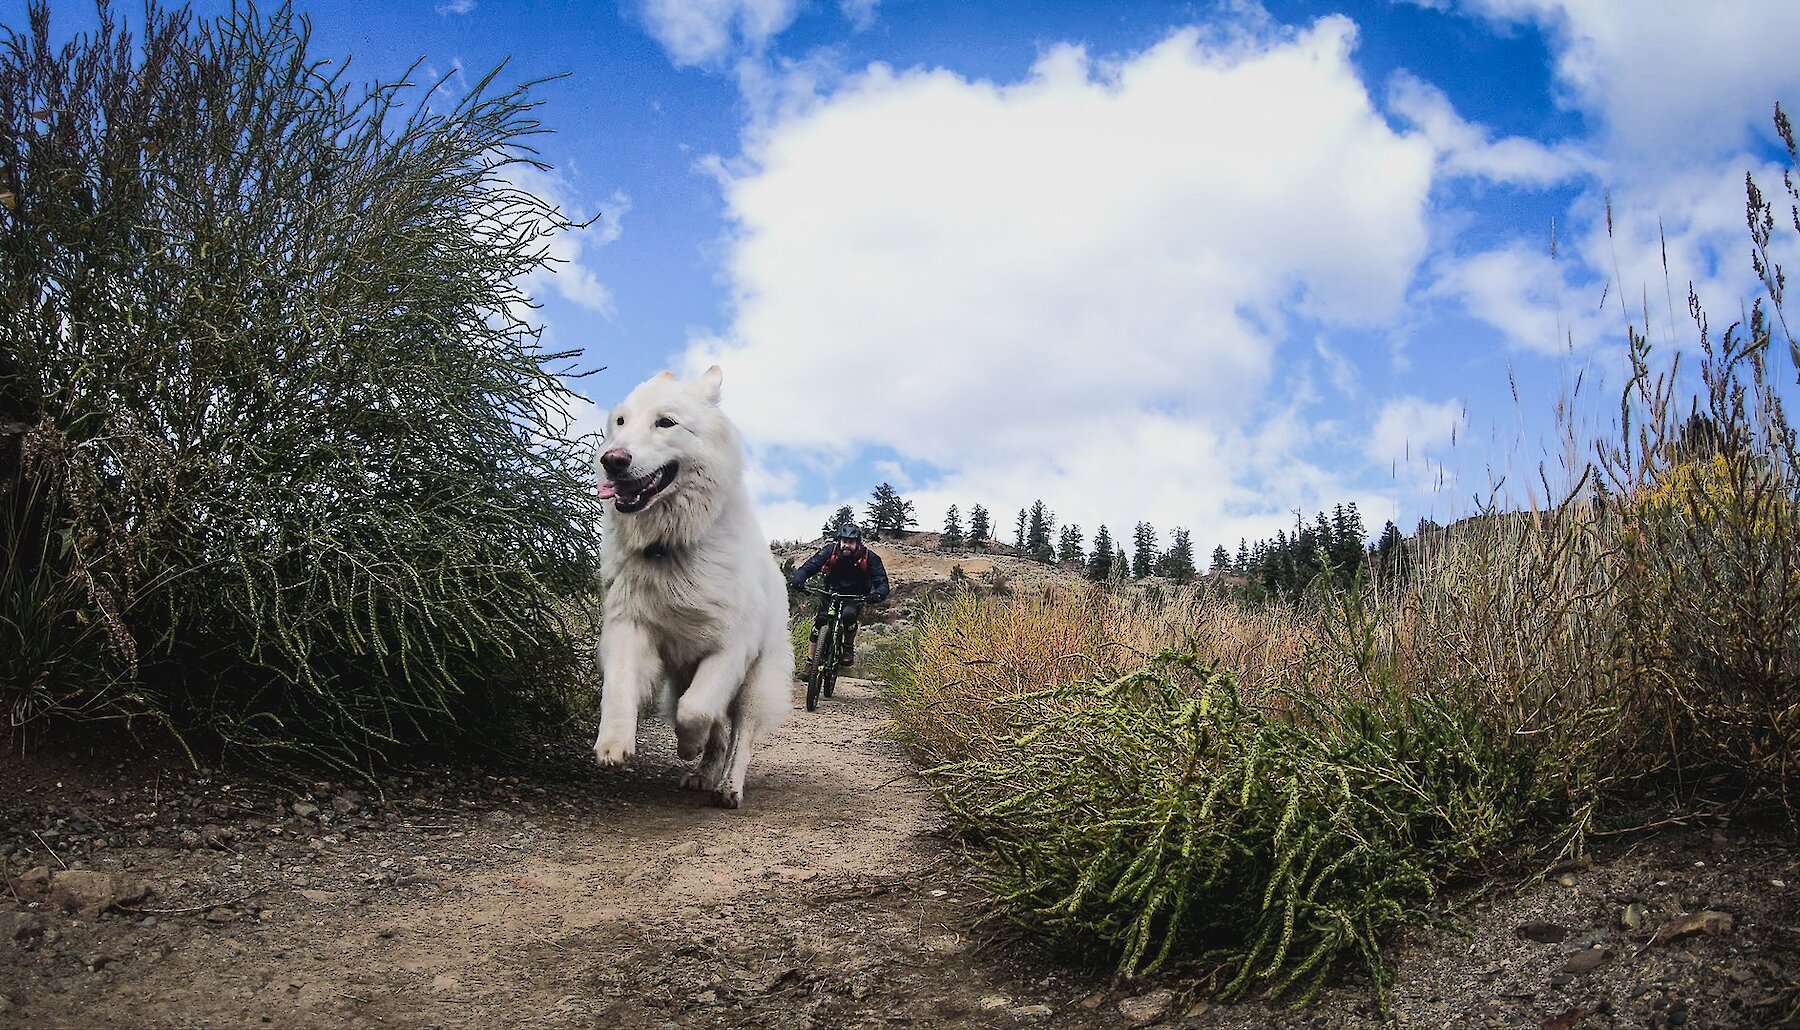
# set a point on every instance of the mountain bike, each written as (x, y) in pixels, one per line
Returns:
(825, 666)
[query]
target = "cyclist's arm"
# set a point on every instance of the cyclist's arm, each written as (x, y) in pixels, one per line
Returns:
(812, 565)
(878, 581)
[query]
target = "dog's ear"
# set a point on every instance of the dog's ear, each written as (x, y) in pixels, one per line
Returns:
(709, 384)
(664, 374)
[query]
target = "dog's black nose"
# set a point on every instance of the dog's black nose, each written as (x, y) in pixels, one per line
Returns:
(616, 461)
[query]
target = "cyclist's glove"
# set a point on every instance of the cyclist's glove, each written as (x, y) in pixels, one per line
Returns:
(797, 581)
(873, 599)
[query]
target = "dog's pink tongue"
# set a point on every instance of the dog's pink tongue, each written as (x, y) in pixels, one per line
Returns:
(608, 488)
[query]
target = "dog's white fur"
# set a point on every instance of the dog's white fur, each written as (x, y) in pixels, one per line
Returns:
(695, 606)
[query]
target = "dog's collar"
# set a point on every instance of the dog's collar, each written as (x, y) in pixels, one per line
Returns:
(658, 551)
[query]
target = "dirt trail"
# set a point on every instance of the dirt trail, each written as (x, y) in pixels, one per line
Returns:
(548, 892)
(603, 898)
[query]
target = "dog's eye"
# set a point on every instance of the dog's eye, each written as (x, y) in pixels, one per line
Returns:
(619, 421)
(665, 423)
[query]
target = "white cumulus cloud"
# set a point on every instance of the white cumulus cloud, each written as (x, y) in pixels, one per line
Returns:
(1667, 80)
(1073, 285)
(1409, 428)
(705, 32)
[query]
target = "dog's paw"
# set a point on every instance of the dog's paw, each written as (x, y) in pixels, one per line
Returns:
(695, 781)
(730, 797)
(690, 737)
(612, 753)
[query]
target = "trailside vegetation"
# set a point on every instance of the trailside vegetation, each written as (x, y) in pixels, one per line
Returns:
(281, 467)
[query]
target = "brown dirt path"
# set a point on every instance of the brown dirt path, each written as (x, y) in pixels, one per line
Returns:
(606, 899)
(546, 892)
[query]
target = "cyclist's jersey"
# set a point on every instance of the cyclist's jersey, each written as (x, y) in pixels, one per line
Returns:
(862, 574)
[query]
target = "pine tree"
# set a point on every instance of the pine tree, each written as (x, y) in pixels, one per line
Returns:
(1390, 552)
(889, 512)
(1019, 533)
(1038, 529)
(1100, 564)
(1221, 560)
(978, 528)
(953, 535)
(1143, 550)
(842, 516)
(1177, 563)
(903, 520)
(1241, 564)
(881, 508)
(1120, 572)
(1068, 545)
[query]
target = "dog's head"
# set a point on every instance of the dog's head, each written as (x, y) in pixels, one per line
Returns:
(665, 441)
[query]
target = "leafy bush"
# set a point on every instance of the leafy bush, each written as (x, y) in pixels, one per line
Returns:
(1158, 816)
(276, 432)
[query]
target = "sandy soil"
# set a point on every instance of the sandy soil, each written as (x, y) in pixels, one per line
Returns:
(544, 891)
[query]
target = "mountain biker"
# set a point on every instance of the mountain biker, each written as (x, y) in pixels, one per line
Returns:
(850, 568)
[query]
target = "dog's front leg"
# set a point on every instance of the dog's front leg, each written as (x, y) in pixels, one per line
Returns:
(629, 670)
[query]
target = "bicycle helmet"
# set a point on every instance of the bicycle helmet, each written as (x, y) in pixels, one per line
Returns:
(849, 531)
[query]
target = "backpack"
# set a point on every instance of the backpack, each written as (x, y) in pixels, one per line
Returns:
(862, 560)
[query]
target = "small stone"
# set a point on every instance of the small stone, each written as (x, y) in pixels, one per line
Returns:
(33, 884)
(1543, 932)
(1582, 962)
(21, 926)
(1707, 922)
(685, 849)
(220, 915)
(1032, 1011)
(88, 893)
(1147, 1008)
(1631, 916)
(994, 1001)
(95, 963)
(1566, 879)
(304, 810)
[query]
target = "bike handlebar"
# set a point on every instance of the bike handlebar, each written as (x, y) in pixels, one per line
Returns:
(860, 598)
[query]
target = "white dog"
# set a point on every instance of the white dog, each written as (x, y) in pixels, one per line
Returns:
(695, 604)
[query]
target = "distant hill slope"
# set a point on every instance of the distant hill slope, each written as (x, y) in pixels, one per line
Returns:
(915, 563)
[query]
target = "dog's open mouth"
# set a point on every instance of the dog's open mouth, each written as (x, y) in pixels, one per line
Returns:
(632, 495)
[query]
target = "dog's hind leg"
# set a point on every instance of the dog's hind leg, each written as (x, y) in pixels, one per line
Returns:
(712, 766)
(759, 709)
(630, 669)
(716, 681)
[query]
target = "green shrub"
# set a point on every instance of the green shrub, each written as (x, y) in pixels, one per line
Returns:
(1157, 817)
(272, 427)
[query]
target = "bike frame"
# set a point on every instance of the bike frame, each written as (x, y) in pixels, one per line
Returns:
(825, 657)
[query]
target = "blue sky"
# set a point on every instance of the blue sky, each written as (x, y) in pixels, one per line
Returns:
(1200, 264)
